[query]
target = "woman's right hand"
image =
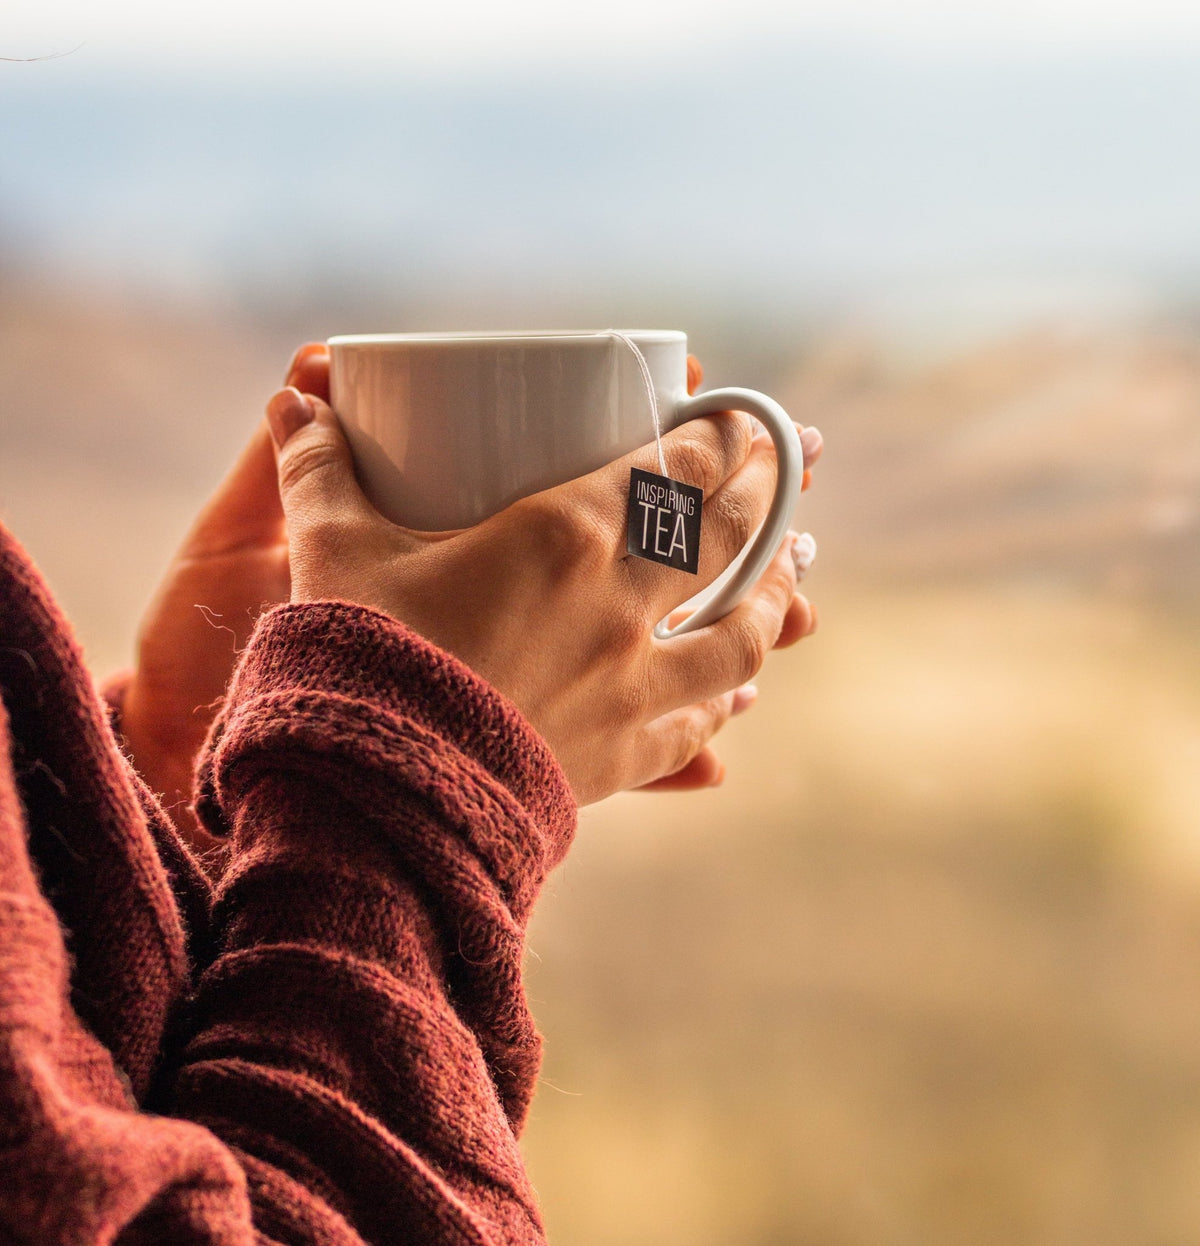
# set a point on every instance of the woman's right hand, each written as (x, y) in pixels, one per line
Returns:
(543, 601)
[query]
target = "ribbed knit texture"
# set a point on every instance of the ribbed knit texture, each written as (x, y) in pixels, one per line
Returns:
(334, 1040)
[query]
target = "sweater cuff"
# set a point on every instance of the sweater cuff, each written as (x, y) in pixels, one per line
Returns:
(361, 701)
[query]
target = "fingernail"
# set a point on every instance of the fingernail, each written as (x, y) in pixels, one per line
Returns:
(288, 411)
(719, 778)
(304, 352)
(744, 698)
(811, 442)
(804, 550)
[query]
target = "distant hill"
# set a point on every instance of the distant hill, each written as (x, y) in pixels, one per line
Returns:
(1048, 456)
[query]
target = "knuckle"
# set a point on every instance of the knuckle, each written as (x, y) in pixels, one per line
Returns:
(750, 646)
(736, 517)
(779, 585)
(785, 583)
(711, 448)
(569, 537)
(737, 429)
(695, 458)
(690, 737)
(302, 459)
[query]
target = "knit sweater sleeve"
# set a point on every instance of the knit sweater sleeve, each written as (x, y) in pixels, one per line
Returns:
(361, 1040)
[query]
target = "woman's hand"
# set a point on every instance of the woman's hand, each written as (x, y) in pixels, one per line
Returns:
(232, 565)
(543, 602)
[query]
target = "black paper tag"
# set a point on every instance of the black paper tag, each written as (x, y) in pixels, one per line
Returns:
(664, 520)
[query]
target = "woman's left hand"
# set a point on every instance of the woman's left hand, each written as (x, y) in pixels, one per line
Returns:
(232, 565)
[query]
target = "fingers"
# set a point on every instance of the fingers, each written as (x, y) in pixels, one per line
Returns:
(729, 652)
(810, 438)
(309, 370)
(672, 752)
(732, 514)
(734, 511)
(812, 443)
(799, 621)
(317, 485)
(801, 617)
(684, 733)
(244, 511)
(704, 452)
(678, 742)
(704, 770)
(733, 461)
(804, 552)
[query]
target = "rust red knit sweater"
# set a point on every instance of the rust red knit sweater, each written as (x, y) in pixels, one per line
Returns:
(330, 1044)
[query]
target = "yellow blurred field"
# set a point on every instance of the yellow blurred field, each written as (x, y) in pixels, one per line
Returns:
(923, 971)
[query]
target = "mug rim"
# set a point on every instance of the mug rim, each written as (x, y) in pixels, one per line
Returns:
(513, 337)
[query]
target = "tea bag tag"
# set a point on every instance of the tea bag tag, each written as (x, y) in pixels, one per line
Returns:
(664, 520)
(663, 514)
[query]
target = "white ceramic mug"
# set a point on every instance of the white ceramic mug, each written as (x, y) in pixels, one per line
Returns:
(448, 428)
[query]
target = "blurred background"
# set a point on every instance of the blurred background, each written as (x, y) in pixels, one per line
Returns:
(926, 970)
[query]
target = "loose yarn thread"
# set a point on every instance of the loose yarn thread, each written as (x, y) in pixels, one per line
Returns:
(648, 381)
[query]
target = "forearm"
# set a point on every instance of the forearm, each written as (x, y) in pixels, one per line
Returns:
(364, 1032)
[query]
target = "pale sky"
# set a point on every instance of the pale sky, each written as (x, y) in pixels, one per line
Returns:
(444, 35)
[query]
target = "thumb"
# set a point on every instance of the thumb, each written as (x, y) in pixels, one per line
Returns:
(313, 461)
(244, 511)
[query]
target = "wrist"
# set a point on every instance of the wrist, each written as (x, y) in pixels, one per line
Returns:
(375, 707)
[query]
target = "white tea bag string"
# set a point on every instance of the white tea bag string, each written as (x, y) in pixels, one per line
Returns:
(648, 381)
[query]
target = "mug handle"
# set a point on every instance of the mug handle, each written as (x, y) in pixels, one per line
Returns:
(720, 597)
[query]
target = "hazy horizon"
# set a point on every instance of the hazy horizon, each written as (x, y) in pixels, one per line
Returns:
(798, 181)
